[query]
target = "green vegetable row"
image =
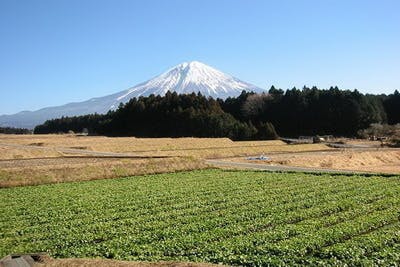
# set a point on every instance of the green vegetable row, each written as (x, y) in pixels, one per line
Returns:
(234, 217)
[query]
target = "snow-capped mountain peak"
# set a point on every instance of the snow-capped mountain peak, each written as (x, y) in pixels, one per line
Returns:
(185, 78)
(191, 77)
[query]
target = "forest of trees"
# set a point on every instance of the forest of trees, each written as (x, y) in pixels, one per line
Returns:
(290, 113)
(12, 130)
(392, 107)
(155, 116)
(311, 111)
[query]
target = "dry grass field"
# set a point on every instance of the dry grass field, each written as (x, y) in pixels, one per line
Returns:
(368, 160)
(37, 159)
(57, 170)
(7, 152)
(49, 145)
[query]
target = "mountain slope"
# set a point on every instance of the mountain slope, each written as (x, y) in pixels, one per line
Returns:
(184, 78)
(192, 77)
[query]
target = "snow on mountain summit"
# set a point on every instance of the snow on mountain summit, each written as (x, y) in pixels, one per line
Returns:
(185, 78)
(189, 77)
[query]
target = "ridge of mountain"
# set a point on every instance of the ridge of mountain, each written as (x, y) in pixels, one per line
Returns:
(185, 78)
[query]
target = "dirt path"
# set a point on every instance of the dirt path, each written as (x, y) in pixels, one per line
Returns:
(43, 260)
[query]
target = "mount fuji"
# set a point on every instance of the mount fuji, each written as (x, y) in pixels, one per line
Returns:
(184, 78)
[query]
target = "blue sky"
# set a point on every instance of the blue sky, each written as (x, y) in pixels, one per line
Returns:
(54, 52)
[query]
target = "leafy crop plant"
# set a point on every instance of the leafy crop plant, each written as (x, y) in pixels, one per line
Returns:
(245, 218)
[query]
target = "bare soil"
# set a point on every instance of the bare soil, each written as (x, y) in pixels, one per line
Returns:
(50, 262)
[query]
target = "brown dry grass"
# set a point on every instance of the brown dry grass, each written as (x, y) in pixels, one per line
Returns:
(39, 159)
(115, 144)
(44, 171)
(219, 152)
(49, 262)
(23, 153)
(46, 146)
(380, 161)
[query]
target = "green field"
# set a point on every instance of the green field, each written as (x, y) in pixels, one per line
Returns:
(233, 217)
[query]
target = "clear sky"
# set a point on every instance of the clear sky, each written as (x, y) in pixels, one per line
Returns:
(58, 51)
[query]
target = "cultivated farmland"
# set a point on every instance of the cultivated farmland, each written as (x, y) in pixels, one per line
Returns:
(33, 146)
(40, 159)
(233, 217)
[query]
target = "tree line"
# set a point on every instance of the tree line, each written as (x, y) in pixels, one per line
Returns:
(294, 112)
(172, 115)
(12, 130)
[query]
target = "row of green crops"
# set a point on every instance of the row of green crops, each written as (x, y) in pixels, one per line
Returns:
(233, 217)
